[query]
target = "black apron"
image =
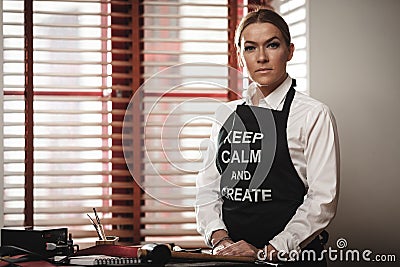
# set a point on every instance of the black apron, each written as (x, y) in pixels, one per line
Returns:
(258, 201)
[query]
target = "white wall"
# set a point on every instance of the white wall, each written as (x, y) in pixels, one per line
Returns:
(354, 68)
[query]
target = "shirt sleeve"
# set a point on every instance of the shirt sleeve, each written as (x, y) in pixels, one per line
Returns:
(208, 204)
(321, 152)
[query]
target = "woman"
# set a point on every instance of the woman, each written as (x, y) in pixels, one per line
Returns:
(250, 203)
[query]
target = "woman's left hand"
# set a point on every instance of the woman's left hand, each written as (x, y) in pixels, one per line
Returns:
(240, 248)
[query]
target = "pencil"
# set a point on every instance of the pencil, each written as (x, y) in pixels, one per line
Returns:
(99, 225)
(95, 226)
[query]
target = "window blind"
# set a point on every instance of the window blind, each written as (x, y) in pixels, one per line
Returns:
(187, 48)
(88, 58)
(1, 116)
(72, 117)
(295, 14)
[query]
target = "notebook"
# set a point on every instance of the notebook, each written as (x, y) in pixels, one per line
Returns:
(103, 260)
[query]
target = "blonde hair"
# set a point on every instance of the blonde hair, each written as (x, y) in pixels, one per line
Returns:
(263, 16)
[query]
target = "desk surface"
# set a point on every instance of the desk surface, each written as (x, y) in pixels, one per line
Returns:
(181, 259)
(209, 263)
(172, 263)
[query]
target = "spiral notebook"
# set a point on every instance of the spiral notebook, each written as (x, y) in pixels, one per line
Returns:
(103, 260)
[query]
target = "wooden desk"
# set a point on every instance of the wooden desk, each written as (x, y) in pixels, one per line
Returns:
(209, 264)
(178, 259)
(172, 264)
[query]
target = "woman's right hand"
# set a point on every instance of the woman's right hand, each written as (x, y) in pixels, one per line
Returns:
(220, 240)
(240, 248)
(221, 246)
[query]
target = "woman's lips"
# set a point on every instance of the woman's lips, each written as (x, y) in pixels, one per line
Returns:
(263, 70)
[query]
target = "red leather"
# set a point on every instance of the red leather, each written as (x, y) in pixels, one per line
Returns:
(110, 250)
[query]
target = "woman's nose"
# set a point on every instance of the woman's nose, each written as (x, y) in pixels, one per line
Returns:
(262, 56)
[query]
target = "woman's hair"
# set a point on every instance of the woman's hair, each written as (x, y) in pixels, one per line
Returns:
(262, 16)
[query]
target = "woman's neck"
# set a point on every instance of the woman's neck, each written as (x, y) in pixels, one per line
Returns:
(268, 89)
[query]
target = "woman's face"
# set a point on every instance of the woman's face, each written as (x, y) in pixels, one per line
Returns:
(264, 53)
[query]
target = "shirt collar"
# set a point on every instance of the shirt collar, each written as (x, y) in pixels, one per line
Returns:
(275, 99)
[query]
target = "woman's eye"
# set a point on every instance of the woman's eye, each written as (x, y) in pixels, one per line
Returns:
(249, 48)
(273, 45)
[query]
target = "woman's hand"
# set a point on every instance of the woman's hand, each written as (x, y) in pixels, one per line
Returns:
(240, 248)
(220, 240)
(271, 253)
(222, 245)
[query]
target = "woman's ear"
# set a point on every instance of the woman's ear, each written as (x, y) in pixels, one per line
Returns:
(291, 51)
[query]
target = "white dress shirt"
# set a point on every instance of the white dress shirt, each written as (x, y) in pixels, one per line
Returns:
(314, 150)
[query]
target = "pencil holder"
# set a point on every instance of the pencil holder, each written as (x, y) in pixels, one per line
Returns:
(110, 240)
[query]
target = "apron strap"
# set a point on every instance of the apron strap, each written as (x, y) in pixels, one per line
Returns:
(289, 98)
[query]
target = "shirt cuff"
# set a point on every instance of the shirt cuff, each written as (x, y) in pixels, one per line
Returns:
(285, 242)
(211, 228)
